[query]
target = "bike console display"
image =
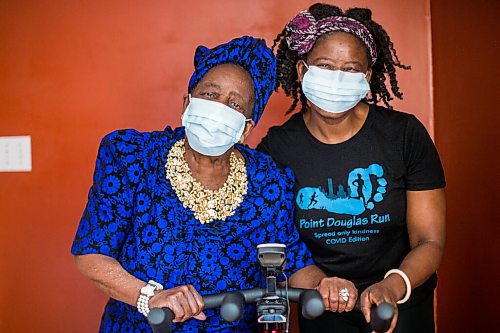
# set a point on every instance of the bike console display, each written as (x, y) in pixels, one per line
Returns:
(271, 308)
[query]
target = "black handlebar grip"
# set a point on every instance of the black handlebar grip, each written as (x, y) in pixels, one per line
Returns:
(160, 320)
(312, 304)
(252, 295)
(293, 294)
(232, 307)
(213, 301)
(381, 317)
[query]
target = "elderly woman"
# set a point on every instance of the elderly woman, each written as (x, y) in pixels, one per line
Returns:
(178, 213)
(369, 183)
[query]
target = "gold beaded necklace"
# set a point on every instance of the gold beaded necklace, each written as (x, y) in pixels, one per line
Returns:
(207, 205)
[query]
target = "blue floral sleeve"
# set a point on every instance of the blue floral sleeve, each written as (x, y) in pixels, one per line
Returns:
(106, 220)
(298, 256)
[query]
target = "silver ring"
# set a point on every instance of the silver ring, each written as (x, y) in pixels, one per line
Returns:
(344, 294)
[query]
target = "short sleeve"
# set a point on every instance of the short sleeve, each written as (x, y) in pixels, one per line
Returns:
(298, 255)
(268, 146)
(106, 220)
(263, 146)
(423, 165)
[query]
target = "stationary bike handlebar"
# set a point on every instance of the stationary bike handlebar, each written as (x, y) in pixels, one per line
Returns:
(231, 303)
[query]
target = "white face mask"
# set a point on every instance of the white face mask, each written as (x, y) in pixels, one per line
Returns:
(334, 91)
(212, 127)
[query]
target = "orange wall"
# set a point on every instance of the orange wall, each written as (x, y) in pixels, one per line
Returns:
(466, 47)
(71, 71)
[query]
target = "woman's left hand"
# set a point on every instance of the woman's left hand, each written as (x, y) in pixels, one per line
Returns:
(389, 290)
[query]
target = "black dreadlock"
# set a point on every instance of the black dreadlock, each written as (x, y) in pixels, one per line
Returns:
(387, 60)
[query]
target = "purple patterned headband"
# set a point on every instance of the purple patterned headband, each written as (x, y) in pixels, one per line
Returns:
(304, 30)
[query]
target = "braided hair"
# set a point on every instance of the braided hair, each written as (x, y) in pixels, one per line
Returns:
(386, 63)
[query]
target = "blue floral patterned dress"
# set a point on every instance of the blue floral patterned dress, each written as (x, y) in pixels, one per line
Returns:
(134, 216)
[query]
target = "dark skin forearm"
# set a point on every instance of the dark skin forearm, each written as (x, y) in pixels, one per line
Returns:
(110, 277)
(426, 229)
(426, 211)
(308, 277)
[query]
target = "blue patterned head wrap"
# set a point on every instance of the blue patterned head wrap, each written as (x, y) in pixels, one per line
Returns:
(250, 53)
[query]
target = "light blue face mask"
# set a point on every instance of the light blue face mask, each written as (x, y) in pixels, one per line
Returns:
(334, 91)
(212, 127)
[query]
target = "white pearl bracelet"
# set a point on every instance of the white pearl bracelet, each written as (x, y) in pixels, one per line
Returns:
(146, 293)
(406, 280)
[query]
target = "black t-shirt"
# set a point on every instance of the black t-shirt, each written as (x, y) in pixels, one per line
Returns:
(351, 197)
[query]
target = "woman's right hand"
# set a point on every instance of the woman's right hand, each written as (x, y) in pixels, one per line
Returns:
(184, 301)
(330, 289)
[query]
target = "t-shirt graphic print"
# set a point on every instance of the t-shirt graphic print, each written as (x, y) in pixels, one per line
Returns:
(360, 194)
(364, 188)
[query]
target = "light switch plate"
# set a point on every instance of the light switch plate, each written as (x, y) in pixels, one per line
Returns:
(15, 153)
